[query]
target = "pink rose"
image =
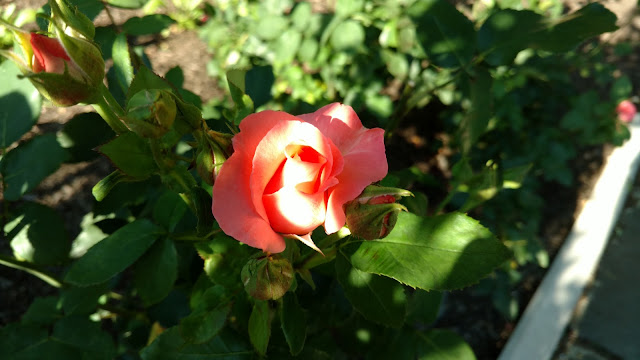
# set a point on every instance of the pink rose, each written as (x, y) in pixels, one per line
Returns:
(290, 174)
(626, 111)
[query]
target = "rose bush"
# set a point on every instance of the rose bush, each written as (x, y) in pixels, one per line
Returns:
(290, 174)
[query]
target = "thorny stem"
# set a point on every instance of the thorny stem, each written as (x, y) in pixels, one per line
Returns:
(25, 266)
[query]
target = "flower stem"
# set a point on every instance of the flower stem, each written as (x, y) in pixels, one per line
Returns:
(110, 111)
(25, 266)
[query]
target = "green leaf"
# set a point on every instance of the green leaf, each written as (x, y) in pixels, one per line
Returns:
(477, 118)
(434, 344)
(507, 32)
(260, 326)
(443, 252)
(169, 210)
(285, 48)
(146, 79)
(147, 25)
(621, 89)
(346, 8)
(16, 337)
(293, 321)
(377, 298)
(271, 27)
(131, 154)
(84, 336)
(38, 235)
(28, 164)
(156, 271)
(208, 318)
(224, 258)
(301, 16)
(82, 134)
(171, 346)
(348, 35)
(122, 62)
(446, 35)
(42, 311)
(424, 306)
(202, 202)
(258, 82)
(127, 4)
(113, 254)
(570, 30)
(20, 104)
(82, 300)
(243, 103)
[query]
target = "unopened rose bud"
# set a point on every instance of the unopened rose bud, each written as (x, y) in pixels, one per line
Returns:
(374, 213)
(65, 69)
(626, 111)
(214, 149)
(151, 113)
(267, 277)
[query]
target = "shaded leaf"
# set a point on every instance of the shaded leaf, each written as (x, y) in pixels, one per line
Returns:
(293, 321)
(447, 36)
(260, 326)
(131, 154)
(171, 346)
(38, 235)
(147, 25)
(156, 271)
(377, 298)
(20, 104)
(208, 318)
(113, 254)
(26, 166)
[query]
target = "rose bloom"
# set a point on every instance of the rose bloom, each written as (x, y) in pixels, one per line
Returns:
(290, 174)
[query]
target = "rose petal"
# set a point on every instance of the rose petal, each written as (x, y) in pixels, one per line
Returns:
(233, 209)
(293, 212)
(336, 121)
(48, 54)
(365, 162)
(271, 152)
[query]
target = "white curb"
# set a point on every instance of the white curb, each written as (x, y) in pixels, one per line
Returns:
(544, 321)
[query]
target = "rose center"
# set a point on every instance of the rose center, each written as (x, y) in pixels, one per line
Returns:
(302, 169)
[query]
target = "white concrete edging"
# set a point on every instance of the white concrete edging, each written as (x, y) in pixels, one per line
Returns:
(545, 319)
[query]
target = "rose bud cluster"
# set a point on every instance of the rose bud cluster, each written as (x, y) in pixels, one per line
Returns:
(374, 213)
(290, 174)
(66, 69)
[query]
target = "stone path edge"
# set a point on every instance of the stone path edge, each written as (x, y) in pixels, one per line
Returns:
(551, 308)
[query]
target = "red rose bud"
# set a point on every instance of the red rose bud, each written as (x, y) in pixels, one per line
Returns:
(151, 113)
(267, 277)
(66, 70)
(374, 213)
(626, 111)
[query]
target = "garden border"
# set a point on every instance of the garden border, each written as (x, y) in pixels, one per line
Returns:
(545, 319)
